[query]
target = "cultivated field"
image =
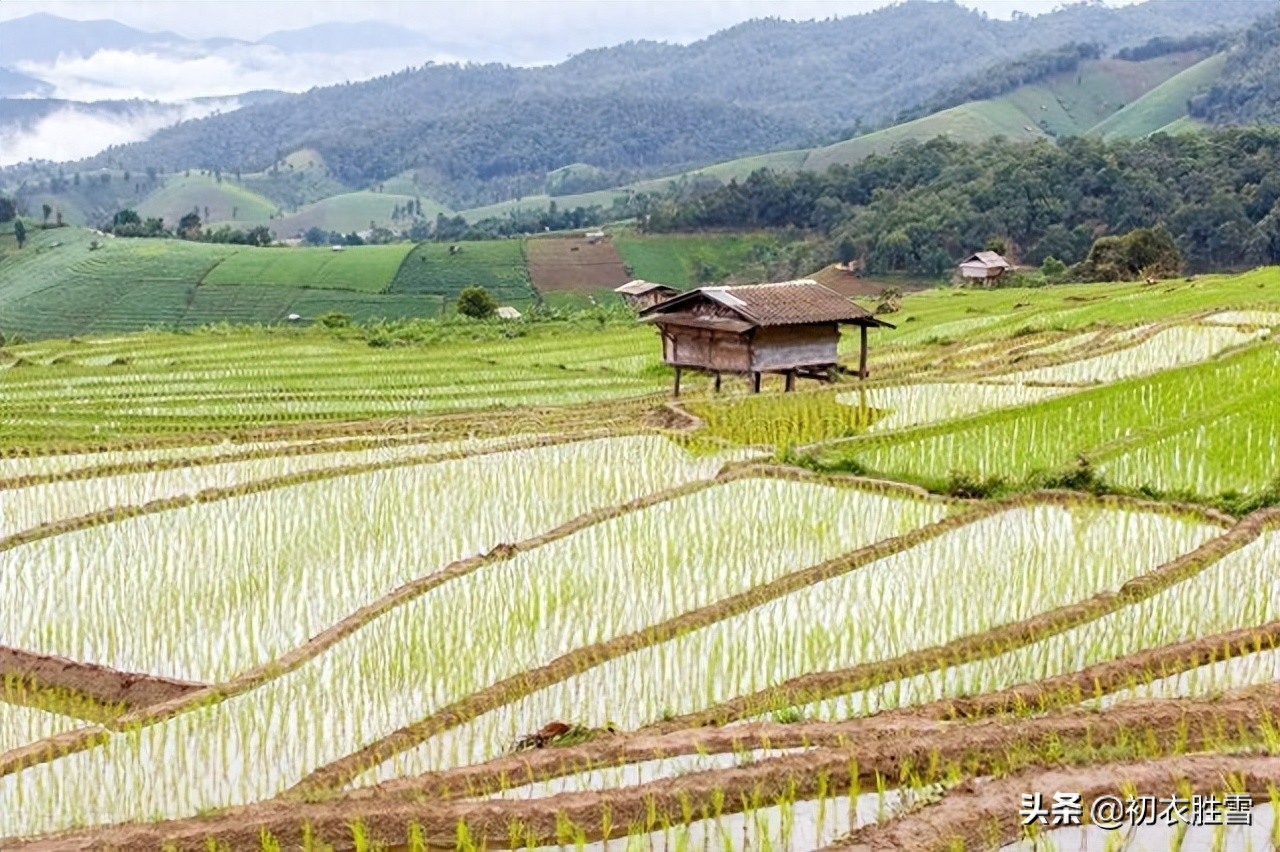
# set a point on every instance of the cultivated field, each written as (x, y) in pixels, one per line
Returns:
(572, 264)
(279, 589)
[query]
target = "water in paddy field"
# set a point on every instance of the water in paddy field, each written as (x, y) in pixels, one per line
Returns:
(798, 827)
(1159, 838)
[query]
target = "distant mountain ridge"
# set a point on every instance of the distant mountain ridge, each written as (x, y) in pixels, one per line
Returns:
(786, 84)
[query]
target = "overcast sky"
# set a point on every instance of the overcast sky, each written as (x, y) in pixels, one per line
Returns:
(576, 24)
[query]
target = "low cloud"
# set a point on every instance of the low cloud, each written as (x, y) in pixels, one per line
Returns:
(173, 76)
(75, 132)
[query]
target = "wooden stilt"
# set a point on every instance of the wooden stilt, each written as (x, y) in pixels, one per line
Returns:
(791, 380)
(717, 383)
(755, 383)
(676, 391)
(862, 354)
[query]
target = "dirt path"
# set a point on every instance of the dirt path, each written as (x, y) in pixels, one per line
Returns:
(859, 751)
(90, 691)
(983, 813)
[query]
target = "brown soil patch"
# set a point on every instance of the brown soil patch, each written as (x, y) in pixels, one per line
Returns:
(983, 813)
(574, 265)
(112, 690)
(671, 418)
(859, 752)
(854, 285)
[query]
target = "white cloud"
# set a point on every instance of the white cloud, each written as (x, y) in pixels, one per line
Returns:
(173, 76)
(76, 132)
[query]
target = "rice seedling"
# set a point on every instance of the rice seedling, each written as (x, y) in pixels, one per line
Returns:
(1253, 318)
(21, 725)
(1209, 603)
(919, 598)
(913, 405)
(502, 619)
(279, 566)
(1170, 348)
(29, 507)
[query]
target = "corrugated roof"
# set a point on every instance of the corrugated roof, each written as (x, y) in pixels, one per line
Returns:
(735, 326)
(986, 258)
(785, 303)
(639, 287)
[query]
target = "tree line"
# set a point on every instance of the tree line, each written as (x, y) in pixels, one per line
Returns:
(924, 206)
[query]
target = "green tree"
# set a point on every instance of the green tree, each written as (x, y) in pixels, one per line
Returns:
(846, 251)
(189, 226)
(1052, 268)
(127, 216)
(476, 302)
(19, 232)
(8, 212)
(259, 236)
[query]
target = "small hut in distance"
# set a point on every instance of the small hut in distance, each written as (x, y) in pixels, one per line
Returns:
(644, 294)
(791, 328)
(983, 266)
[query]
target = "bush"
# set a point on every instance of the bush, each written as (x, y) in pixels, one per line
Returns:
(334, 319)
(477, 303)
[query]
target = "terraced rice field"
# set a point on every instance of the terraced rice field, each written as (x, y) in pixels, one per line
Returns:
(285, 590)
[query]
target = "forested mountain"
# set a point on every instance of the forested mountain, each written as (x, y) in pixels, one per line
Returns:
(768, 83)
(1248, 90)
(924, 206)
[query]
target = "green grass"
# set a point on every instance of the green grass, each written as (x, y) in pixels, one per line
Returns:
(368, 269)
(1163, 105)
(689, 260)
(172, 384)
(226, 201)
(781, 421)
(972, 122)
(352, 211)
(49, 290)
(1016, 445)
(496, 265)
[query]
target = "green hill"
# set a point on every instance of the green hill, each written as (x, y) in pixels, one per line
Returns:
(59, 286)
(351, 211)
(1163, 106)
(1075, 103)
(215, 201)
(1103, 96)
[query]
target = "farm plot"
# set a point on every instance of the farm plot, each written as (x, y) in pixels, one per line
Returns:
(499, 621)
(915, 599)
(574, 264)
(431, 269)
(1238, 451)
(913, 405)
(279, 566)
(1207, 604)
(366, 268)
(1049, 436)
(179, 383)
(1170, 348)
(48, 503)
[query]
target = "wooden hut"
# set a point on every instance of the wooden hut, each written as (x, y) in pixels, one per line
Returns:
(983, 266)
(645, 294)
(791, 328)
